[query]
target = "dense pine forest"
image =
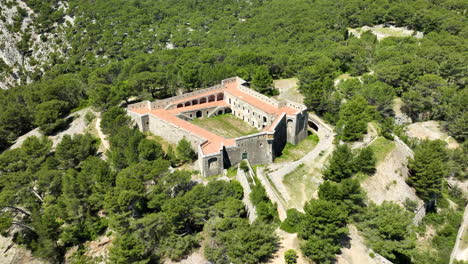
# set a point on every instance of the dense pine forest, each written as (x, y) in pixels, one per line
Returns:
(55, 198)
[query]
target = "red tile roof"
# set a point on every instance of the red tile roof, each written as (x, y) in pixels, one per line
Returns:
(214, 142)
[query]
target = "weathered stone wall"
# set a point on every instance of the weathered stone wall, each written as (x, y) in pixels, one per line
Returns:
(166, 103)
(142, 121)
(260, 96)
(172, 133)
(257, 147)
(212, 164)
(144, 104)
(202, 112)
(280, 136)
(297, 127)
(250, 114)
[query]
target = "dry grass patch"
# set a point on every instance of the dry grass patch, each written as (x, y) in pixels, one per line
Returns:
(227, 126)
(295, 152)
(382, 147)
(302, 184)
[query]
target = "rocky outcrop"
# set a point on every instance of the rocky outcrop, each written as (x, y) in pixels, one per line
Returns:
(25, 49)
(12, 253)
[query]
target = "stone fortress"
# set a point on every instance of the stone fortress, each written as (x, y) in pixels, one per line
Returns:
(278, 122)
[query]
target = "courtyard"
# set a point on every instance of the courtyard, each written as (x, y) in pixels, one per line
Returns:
(225, 125)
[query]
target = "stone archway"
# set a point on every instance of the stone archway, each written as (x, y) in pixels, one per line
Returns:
(199, 114)
(213, 163)
(220, 112)
(313, 125)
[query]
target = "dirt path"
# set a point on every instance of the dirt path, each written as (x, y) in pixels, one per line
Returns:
(313, 159)
(459, 253)
(357, 252)
(102, 137)
(273, 194)
(287, 241)
(288, 90)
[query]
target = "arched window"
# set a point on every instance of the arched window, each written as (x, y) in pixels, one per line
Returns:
(187, 104)
(199, 114)
(211, 98)
(194, 102)
(220, 96)
(180, 105)
(203, 100)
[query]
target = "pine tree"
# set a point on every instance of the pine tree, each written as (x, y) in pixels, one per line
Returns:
(354, 116)
(341, 164)
(184, 150)
(262, 81)
(427, 169)
(365, 161)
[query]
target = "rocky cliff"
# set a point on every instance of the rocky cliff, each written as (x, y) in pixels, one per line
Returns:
(27, 46)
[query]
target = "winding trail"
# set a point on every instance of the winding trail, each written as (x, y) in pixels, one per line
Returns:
(279, 193)
(104, 141)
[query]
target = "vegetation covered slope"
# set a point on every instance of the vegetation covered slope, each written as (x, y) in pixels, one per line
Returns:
(153, 48)
(54, 200)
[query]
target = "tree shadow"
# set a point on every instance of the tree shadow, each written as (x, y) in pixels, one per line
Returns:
(62, 125)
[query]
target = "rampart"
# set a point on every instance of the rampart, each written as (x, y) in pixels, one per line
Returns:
(279, 122)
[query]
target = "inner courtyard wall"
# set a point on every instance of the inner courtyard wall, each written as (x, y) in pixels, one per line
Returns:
(251, 115)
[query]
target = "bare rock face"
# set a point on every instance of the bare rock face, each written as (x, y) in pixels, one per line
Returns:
(389, 181)
(25, 49)
(14, 254)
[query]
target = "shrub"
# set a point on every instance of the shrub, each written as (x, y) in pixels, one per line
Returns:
(184, 150)
(89, 116)
(244, 166)
(290, 256)
(293, 221)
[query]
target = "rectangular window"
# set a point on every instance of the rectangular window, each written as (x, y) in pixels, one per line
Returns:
(244, 155)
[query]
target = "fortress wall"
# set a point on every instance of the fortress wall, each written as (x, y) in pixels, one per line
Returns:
(139, 120)
(158, 104)
(297, 127)
(193, 114)
(211, 164)
(250, 114)
(280, 136)
(302, 126)
(144, 104)
(258, 148)
(295, 105)
(171, 132)
(260, 96)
